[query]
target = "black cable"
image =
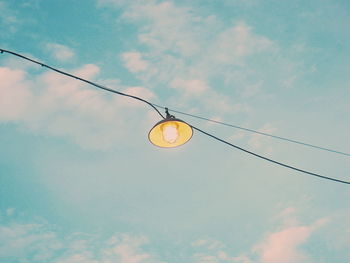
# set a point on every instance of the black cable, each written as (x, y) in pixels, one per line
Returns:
(154, 107)
(257, 132)
(268, 159)
(84, 80)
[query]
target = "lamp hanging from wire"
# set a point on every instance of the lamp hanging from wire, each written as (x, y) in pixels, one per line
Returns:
(170, 132)
(173, 132)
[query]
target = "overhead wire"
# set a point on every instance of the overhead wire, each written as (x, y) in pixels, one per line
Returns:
(154, 106)
(83, 80)
(268, 159)
(255, 131)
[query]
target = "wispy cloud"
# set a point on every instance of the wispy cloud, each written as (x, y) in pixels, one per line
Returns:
(190, 87)
(56, 105)
(282, 245)
(181, 56)
(20, 242)
(60, 52)
(134, 62)
(15, 95)
(183, 51)
(258, 142)
(9, 20)
(38, 242)
(237, 42)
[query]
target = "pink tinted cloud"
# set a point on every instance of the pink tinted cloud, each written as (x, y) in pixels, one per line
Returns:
(134, 62)
(15, 96)
(57, 105)
(190, 86)
(60, 52)
(284, 245)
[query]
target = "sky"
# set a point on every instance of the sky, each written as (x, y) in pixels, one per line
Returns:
(81, 183)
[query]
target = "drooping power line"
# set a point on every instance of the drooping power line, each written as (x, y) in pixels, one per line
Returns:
(195, 128)
(83, 80)
(154, 106)
(255, 131)
(268, 159)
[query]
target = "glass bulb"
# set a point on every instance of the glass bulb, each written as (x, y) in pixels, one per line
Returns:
(170, 132)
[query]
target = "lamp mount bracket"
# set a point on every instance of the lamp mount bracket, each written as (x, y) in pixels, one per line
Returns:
(168, 115)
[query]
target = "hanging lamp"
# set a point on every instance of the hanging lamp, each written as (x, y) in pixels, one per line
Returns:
(170, 132)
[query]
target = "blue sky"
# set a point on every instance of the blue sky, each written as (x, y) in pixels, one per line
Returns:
(80, 183)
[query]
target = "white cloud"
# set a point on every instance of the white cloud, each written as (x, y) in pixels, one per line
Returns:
(191, 86)
(237, 42)
(60, 52)
(237, 136)
(134, 62)
(257, 141)
(184, 52)
(140, 92)
(17, 241)
(10, 211)
(59, 106)
(284, 245)
(208, 243)
(36, 243)
(15, 95)
(9, 19)
(251, 90)
(165, 26)
(281, 245)
(113, 2)
(288, 217)
(6, 16)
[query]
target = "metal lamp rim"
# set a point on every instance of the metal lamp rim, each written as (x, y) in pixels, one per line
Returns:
(164, 121)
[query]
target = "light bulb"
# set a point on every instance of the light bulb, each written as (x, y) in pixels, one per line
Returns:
(170, 132)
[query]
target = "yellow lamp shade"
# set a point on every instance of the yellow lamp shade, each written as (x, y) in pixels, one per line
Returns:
(170, 132)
